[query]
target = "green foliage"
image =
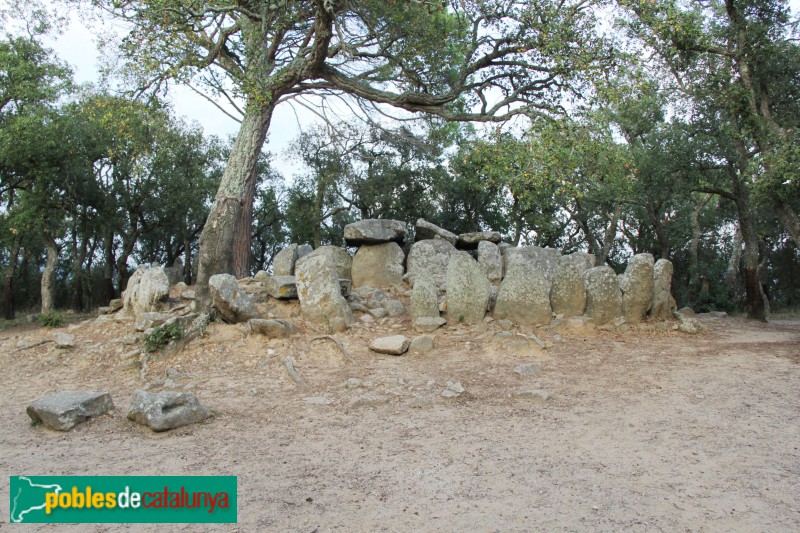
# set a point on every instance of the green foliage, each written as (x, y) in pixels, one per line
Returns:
(161, 336)
(51, 320)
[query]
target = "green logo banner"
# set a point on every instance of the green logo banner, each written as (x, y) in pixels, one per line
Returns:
(122, 499)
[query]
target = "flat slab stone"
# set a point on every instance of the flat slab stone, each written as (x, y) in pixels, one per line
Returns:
(394, 345)
(65, 410)
(64, 340)
(274, 329)
(427, 324)
(469, 241)
(374, 231)
(166, 410)
(426, 230)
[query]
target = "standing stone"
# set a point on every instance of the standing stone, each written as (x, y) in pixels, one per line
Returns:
(424, 298)
(320, 295)
(374, 231)
(166, 410)
(663, 303)
(524, 298)
(426, 230)
(147, 288)
(603, 295)
(532, 258)
(342, 261)
(429, 258)
(580, 260)
(568, 293)
(283, 264)
(468, 290)
(469, 241)
(378, 265)
(65, 410)
(491, 260)
(281, 287)
(637, 288)
(233, 303)
(302, 251)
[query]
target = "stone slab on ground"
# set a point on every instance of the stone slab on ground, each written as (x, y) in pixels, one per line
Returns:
(166, 410)
(65, 410)
(394, 345)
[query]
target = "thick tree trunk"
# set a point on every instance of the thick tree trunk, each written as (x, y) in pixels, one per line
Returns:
(754, 303)
(187, 261)
(8, 282)
(733, 262)
(108, 268)
(694, 248)
(217, 239)
(49, 276)
(658, 227)
(609, 236)
(243, 234)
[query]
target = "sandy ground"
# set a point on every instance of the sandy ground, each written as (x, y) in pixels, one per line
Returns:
(643, 431)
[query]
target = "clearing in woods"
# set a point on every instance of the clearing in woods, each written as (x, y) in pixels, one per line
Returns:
(646, 430)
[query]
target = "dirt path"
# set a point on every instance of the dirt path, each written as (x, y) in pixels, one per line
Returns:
(643, 431)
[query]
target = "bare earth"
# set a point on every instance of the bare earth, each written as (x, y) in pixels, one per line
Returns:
(643, 431)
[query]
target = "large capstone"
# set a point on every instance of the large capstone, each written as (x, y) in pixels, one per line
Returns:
(232, 302)
(568, 293)
(374, 231)
(663, 303)
(637, 288)
(468, 290)
(424, 298)
(532, 259)
(321, 300)
(469, 241)
(426, 230)
(524, 298)
(378, 265)
(429, 258)
(65, 410)
(147, 288)
(491, 260)
(166, 410)
(603, 295)
(342, 261)
(283, 264)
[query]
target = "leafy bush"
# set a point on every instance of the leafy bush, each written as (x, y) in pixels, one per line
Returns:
(51, 320)
(161, 336)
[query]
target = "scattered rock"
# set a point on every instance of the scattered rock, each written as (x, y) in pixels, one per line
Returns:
(426, 230)
(394, 307)
(453, 390)
(145, 321)
(468, 290)
(687, 311)
(282, 287)
(317, 400)
(65, 410)
(374, 231)
(320, 295)
(116, 304)
(64, 340)
(378, 312)
(421, 344)
(354, 383)
(367, 401)
(234, 304)
(469, 241)
(188, 295)
(104, 310)
(379, 265)
(166, 410)
(394, 345)
(688, 325)
(271, 328)
(528, 370)
(531, 394)
(428, 324)
(603, 295)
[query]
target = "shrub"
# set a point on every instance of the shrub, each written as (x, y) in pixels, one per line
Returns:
(51, 320)
(161, 336)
